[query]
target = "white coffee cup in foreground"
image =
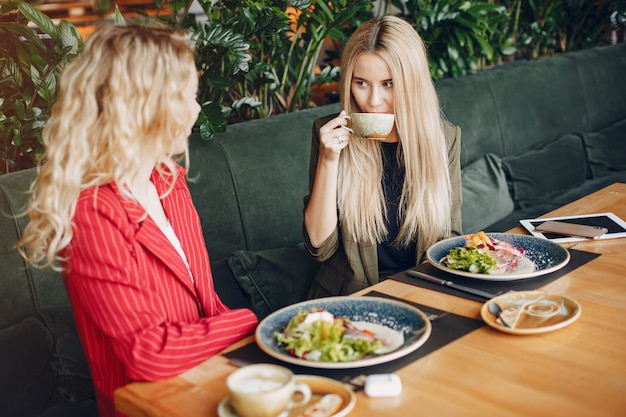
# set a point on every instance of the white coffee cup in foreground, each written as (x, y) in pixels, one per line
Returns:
(265, 390)
(371, 125)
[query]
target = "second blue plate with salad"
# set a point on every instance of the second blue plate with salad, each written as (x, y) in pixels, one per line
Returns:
(545, 256)
(403, 327)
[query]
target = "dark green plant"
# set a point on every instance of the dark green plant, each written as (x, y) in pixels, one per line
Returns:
(257, 57)
(541, 29)
(235, 48)
(547, 27)
(285, 40)
(462, 36)
(587, 23)
(315, 23)
(222, 58)
(31, 59)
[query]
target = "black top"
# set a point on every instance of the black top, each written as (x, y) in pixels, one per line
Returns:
(391, 257)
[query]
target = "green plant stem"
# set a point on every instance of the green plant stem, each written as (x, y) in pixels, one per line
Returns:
(184, 15)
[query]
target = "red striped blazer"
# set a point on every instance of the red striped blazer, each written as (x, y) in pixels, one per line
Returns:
(139, 315)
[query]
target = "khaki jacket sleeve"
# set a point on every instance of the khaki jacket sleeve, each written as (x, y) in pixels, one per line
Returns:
(453, 141)
(330, 245)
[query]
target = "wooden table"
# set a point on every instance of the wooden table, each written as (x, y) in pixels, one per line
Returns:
(579, 370)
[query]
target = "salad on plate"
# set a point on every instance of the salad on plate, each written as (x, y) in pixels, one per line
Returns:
(317, 335)
(483, 254)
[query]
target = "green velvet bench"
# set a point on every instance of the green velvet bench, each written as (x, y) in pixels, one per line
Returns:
(535, 135)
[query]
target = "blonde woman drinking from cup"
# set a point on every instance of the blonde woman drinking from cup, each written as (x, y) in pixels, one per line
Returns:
(375, 206)
(111, 209)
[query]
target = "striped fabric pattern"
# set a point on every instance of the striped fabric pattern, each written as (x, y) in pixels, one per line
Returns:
(138, 314)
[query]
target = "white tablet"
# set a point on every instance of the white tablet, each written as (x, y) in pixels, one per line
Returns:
(616, 227)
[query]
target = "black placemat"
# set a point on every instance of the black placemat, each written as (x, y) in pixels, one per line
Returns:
(444, 330)
(577, 259)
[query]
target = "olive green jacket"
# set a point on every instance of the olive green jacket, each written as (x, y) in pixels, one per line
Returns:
(348, 266)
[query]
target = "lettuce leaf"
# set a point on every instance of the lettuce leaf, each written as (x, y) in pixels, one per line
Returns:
(322, 340)
(470, 259)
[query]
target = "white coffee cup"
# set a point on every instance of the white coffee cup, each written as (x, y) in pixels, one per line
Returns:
(371, 125)
(265, 390)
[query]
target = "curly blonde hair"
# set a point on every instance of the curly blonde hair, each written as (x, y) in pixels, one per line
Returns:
(425, 202)
(120, 97)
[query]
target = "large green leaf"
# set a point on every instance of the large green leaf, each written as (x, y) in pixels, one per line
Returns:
(453, 52)
(46, 85)
(70, 37)
(118, 18)
(321, 4)
(42, 21)
(211, 119)
(33, 113)
(24, 31)
(486, 48)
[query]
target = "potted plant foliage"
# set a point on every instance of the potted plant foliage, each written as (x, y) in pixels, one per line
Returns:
(31, 58)
(257, 58)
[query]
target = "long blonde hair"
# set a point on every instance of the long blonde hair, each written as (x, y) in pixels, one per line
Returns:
(425, 202)
(121, 97)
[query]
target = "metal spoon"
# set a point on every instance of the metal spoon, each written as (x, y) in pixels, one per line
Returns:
(495, 309)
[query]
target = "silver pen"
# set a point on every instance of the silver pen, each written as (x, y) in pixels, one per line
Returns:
(446, 283)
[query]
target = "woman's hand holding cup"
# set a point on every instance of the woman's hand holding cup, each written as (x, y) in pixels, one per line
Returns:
(334, 136)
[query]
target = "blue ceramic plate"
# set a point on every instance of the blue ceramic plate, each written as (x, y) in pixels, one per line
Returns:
(411, 322)
(547, 256)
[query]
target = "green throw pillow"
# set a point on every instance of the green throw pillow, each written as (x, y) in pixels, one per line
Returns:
(606, 150)
(273, 278)
(539, 175)
(486, 197)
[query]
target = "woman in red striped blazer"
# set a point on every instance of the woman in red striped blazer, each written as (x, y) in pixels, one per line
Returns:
(111, 209)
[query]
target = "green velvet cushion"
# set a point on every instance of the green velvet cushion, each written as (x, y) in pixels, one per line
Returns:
(486, 197)
(226, 286)
(606, 150)
(539, 175)
(27, 381)
(273, 278)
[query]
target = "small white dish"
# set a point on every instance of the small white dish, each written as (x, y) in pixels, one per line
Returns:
(532, 312)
